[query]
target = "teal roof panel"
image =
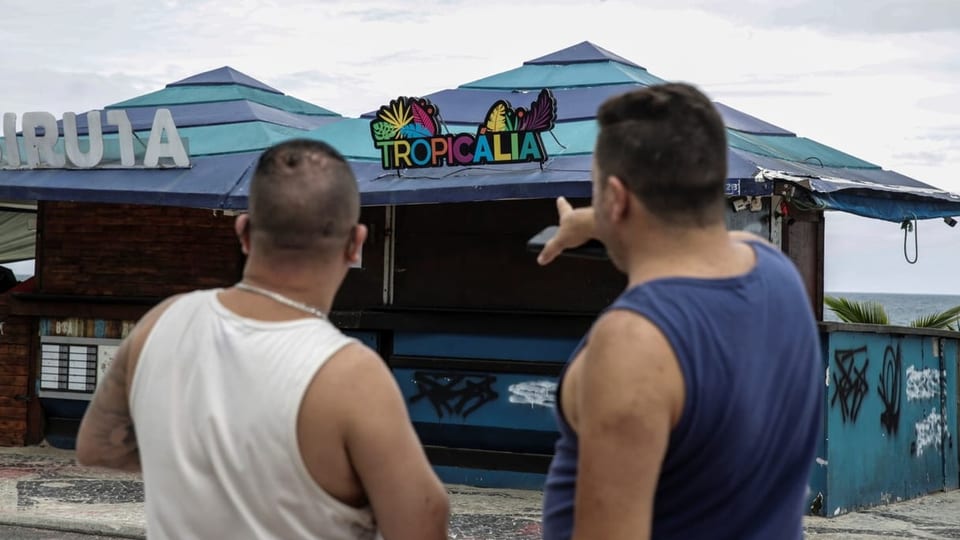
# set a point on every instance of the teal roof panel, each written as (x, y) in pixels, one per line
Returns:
(536, 76)
(224, 76)
(350, 136)
(797, 149)
(236, 138)
(183, 95)
(580, 53)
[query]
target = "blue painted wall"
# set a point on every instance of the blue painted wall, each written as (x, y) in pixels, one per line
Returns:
(370, 339)
(479, 408)
(478, 398)
(891, 419)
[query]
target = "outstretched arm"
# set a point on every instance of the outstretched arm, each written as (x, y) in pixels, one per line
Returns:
(577, 228)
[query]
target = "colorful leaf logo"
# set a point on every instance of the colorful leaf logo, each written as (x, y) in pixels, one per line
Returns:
(423, 117)
(397, 113)
(542, 113)
(383, 130)
(405, 118)
(497, 117)
(540, 117)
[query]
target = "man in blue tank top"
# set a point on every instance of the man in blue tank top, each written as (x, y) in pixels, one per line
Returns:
(693, 408)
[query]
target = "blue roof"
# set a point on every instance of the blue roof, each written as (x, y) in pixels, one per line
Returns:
(204, 114)
(538, 76)
(564, 175)
(582, 77)
(581, 53)
(221, 111)
(228, 117)
(223, 76)
(205, 184)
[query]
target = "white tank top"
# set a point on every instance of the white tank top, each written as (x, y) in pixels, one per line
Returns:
(214, 400)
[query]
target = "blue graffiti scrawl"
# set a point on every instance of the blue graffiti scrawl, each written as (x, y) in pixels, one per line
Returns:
(851, 386)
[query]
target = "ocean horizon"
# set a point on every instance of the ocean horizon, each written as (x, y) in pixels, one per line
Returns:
(901, 308)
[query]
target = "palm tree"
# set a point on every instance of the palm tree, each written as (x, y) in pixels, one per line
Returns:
(948, 319)
(851, 311)
(870, 312)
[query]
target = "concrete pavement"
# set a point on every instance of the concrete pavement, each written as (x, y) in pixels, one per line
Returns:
(43, 488)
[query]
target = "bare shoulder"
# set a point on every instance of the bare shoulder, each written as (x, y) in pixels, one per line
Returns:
(629, 355)
(631, 334)
(355, 377)
(146, 323)
(129, 351)
(357, 361)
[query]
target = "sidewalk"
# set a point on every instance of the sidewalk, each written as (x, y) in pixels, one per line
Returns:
(44, 487)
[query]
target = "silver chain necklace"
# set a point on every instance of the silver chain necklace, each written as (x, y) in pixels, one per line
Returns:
(277, 297)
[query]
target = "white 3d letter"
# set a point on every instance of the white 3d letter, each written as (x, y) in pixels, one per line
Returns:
(173, 148)
(41, 148)
(119, 118)
(10, 137)
(94, 136)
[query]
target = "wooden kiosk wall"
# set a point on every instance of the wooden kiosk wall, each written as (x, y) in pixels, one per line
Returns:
(474, 330)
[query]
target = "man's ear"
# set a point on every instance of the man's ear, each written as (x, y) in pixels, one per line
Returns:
(358, 235)
(619, 198)
(242, 227)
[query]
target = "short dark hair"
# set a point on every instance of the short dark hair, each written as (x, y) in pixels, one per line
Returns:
(303, 195)
(668, 144)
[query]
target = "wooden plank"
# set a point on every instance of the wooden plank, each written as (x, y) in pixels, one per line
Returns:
(134, 250)
(11, 401)
(363, 287)
(803, 243)
(9, 389)
(13, 413)
(9, 369)
(474, 256)
(15, 427)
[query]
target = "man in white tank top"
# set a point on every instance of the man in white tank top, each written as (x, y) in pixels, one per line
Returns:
(250, 415)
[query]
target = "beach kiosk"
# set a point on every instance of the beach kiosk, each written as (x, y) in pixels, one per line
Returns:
(453, 184)
(474, 330)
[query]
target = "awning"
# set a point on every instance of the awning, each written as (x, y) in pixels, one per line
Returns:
(206, 184)
(581, 78)
(874, 194)
(228, 118)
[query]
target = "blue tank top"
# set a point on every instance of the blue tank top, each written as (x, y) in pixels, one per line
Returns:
(739, 459)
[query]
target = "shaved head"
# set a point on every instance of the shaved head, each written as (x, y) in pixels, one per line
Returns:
(304, 200)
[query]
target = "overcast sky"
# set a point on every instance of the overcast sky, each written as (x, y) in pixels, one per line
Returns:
(879, 79)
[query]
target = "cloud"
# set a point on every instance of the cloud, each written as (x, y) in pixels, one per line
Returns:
(43, 90)
(867, 255)
(845, 17)
(921, 158)
(776, 93)
(379, 14)
(944, 103)
(313, 77)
